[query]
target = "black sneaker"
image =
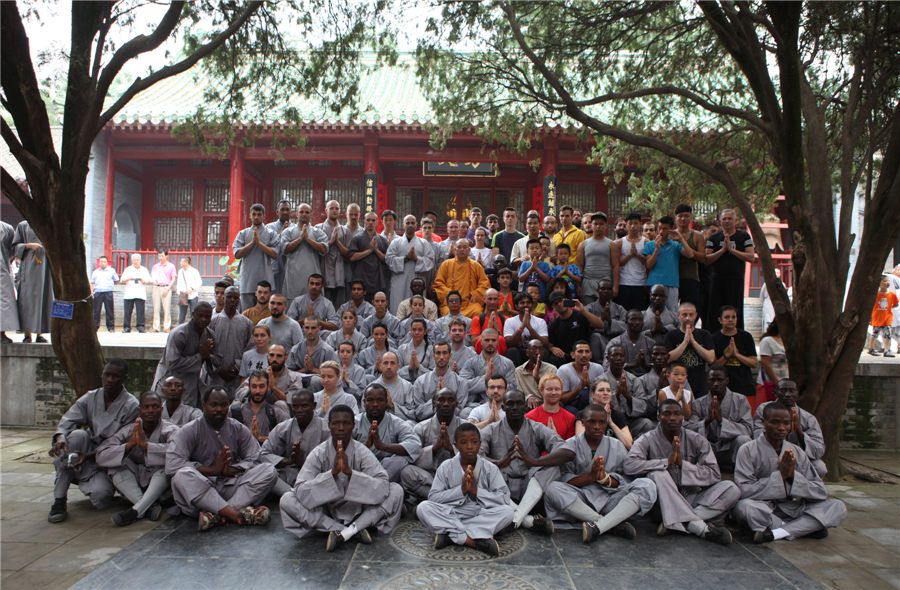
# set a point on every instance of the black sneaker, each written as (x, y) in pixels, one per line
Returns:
(624, 530)
(765, 536)
(334, 541)
(441, 540)
(718, 534)
(364, 536)
(542, 526)
(819, 534)
(589, 532)
(154, 512)
(41, 340)
(58, 511)
(489, 546)
(125, 518)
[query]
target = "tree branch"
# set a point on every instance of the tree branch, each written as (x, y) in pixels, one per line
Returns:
(18, 197)
(25, 158)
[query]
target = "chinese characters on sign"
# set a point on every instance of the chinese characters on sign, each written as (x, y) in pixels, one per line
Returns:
(370, 181)
(459, 169)
(549, 195)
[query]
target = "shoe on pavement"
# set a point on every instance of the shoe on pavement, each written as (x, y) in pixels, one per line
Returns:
(207, 520)
(589, 532)
(154, 512)
(41, 339)
(718, 534)
(334, 541)
(888, 354)
(258, 516)
(819, 534)
(125, 518)
(765, 536)
(364, 536)
(873, 352)
(542, 526)
(441, 540)
(624, 530)
(661, 530)
(489, 546)
(58, 512)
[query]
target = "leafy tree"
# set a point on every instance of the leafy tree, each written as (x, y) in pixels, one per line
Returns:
(730, 101)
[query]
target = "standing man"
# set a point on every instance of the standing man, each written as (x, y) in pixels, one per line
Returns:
(189, 349)
(632, 265)
(621, 228)
(596, 261)
(333, 261)
(568, 234)
(35, 284)
(367, 250)
(502, 242)
(662, 259)
(103, 283)
(475, 218)
(302, 247)
(408, 257)
(135, 277)
(728, 253)
(448, 246)
(519, 252)
(233, 336)
(689, 268)
(279, 226)
(693, 347)
(9, 314)
(389, 221)
(255, 247)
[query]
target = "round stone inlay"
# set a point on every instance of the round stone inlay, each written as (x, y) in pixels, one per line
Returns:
(413, 538)
(458, 578)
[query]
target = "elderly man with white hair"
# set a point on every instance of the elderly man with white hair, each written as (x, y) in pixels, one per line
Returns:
(135, 278)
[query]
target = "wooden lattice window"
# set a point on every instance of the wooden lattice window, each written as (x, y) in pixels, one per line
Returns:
(344, 191)
(581, 196)
(216, 233)
(295, 190)
(215, 195)
(514, 199)
(172, 232)
(409, 201)
(174, 194)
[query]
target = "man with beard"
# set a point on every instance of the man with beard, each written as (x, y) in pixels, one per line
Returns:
(408, 257)
(341, 490)
(290, 441)
(390, 438)
(435, 434)
(279, 226)
(282, 383)
(216, 468)
(257, 413)
(723, 417)
(283, 329)
(805, 430)
(782, 497)
(233, 336)
(627, 396)
(261, 309)
(103, 412)
(636, 344)
(302, 247)
(577, 377)
(189, 350)
(480, 368)
(689, 485)
(256, 247)
(439, 378)
(173, 410)
(621, 228)
(313, 303)
(135, 457)
(460, 352)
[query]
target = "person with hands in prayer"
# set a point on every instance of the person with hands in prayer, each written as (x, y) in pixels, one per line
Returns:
(390, 438)
(287, 445)
(435, 433)
(805, 430)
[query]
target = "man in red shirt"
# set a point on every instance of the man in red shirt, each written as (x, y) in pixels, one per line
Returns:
(550, 414)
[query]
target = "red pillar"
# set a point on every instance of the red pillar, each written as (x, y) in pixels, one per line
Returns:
(548, 175)
(110, 198)
(236, 196)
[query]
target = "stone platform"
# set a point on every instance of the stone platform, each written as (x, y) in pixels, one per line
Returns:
(175, 555)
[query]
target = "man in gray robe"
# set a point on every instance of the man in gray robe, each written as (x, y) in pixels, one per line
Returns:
(805, 430)
(189, 348)
(341, 490)
(479, 369)
(279, 226)
(359, 300)
(135, 457)
(577, 377)
(723, 417)
(460, 351)
(302, 246)
(390, 438)
(381, 315)
(35, 285)
(408, 257)
(216, 468)
(367, 250)
(689, 486)
(255, 246)
(233, 336)
(441, 377)
(402, 395)
(174, 410)
(314, 303)
(282, 382)
(658, 318)
(256, 412)
(592, 489)
(9, 313)
(333, 261)
(288, 444)
(782, 496)
(655, 379)
(308, 355)
(510, 444)
(636, 344)
(435, 433)
(469, 501)
(103, 412)
(284, 330)
(612, 317)
(628, 397)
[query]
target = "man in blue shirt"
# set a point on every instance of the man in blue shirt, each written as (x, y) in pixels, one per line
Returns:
(662, 259)
(103, 282)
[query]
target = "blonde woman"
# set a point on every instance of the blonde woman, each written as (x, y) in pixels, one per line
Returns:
(601, 394)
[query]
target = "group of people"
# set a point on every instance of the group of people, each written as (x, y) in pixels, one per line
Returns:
(353, 374)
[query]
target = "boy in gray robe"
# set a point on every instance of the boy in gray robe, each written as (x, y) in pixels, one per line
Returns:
(135, 458)
(341, 490)
(173, 410)
(782, 496)
(103, 411)
(216, 468)
(805, 430)
(511, 444)
(287, 445)
(591, 489)
(469, 501)
(390, 438)
(435, 433)
(722, 416)
(189, 348)
(689, 486)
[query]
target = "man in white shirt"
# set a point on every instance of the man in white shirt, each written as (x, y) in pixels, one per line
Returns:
(135, 277)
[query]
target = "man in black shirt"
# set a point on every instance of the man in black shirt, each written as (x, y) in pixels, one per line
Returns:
(692, 346)
(569, 326)
(727, 252)
(736, 350)
(503, 241)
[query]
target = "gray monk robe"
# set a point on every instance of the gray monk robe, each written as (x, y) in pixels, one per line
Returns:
(35, 285)
(182, 415)
(393, 431)
(323, 309)
(536, 438)
(324, 503)
(473, 373)
(447, 510)
(560, 494)
(427, 384)
(283, 438)
(726, 438)
(233, 337)
(800, 507)
(196, 444)
(338, 398)
(813, 440)
(694, 491)
(302, 262)
(90, 410)
(181, 358)
(636, 409)
(418, 477)
(403, 271)
(9, 313)
(402, 396)
(322, 352)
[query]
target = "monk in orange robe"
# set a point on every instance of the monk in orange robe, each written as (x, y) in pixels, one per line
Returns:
(464, 275)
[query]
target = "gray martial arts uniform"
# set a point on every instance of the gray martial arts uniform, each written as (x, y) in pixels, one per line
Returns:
(636, 409)
(333, 260)
(336, 338)
(367, 359)
(726, 438)
(633, 351)
(325, 503)
(403, 271)
(559, 495)
(393, 431)
(338, 398)
(667, 317)
(182, 415)
(288, 383)
(571, 378)
(403, 396)
(281, 441)
(35, 284)
(286, 332)
(323, 309)
(418, 477)
(800, 507)
(196, 444)
(278, 262)
(9, 313)
(390, 322)
(356, 381)
(262, 419)
(450, 512)
(424, 354)
(462, 355)
(649, 384)
(140, 475)
(256, 265)
(473, 373)
(181, 358)
(363, 310)
(694, 491)
(427, 385)
(813, 440)
(442, 326)
(614, 327)
(233, 337)
(406, 333)
(537, 439)
(302, 262)
(321, 353)
(90, 410)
